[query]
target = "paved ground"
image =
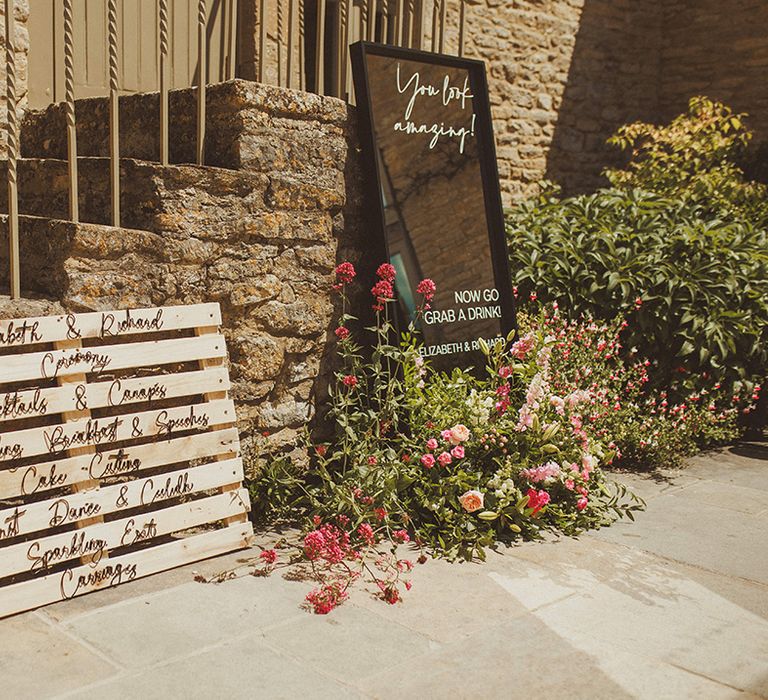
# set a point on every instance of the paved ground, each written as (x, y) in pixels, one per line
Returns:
(673, 606)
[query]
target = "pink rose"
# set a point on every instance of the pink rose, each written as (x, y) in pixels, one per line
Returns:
(581, 504)
(458, 452)
(446, 435)
(431, 444)
(459, 433)
(428, 461)
(445, 459)
(471, 501)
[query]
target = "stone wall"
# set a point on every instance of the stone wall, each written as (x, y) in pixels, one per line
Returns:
(717, 49)
(259, 233)
(563, 74)
(22, 53)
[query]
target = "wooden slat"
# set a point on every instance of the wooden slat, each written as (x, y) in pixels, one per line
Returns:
(85, 579)
(128, 462)
(92, 543)
(105, 324)
(55, 439)
(39, 402)
(132, 461)
(217, 396)
(54, 364)
(84, 505)
(88, 483)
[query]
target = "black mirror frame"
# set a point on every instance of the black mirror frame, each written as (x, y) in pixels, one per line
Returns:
(486, 149)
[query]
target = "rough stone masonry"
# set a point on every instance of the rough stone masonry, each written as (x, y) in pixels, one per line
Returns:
(259, 233)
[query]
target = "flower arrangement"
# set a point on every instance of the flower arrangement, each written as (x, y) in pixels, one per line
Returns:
(454, 463)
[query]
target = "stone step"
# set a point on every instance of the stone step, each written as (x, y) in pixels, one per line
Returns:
(181, 201)
(45, 246)
(249, 126)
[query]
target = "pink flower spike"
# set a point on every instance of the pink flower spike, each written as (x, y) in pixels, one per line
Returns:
(386, 272)
(427, 288)
(345, 272)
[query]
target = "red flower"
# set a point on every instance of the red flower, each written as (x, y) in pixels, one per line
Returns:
(400, 536)
(373, 460)
(391, 594)
(386, 272)
(366, 533)
(345, 272)
(537, 499)
(325, 599)
(383, 292)
(269, 556)
(350, 380)
(427, 288)
(342, 333)
(320, 450)
(380, 513)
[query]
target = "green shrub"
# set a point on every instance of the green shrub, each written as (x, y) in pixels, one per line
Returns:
(696, 159)
(678, 245)
(695, 289)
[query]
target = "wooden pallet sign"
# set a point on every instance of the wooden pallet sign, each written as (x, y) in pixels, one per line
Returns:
(119, 455)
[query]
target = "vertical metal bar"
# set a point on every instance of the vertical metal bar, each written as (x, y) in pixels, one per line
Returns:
(291, 41)
(399, 8)
(164, 75)
(262, 39)
(69, 96)
(435, 13)
(341, 74)
(232, 39)
(302, 60)
(418, 25)
(279, 42)
(348, 39)
(202, 63)
(384, 21)
(408, 39)
(462, 18)
(443, 9)
(114, 114)
(12, 133)
(319, 48)
(372, 20)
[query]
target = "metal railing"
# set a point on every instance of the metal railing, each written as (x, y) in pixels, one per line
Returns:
(302, 44)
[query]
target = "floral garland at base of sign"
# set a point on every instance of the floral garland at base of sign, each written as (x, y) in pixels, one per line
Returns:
(455, 464)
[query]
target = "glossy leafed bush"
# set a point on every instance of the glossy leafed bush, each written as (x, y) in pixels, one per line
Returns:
(694, 289)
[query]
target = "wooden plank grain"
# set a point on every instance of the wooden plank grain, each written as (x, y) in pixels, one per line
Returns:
(54, 364)
(123, 569)
(93, 542)
(73, 508)
(42, 477)
(106, 324)
(162, 423)
(39, 402)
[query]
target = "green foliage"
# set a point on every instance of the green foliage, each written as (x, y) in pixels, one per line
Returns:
(695, 289)
(679, 245)
(412, 445)
(695, 159)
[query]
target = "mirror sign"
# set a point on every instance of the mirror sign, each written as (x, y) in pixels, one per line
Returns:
(428, 142)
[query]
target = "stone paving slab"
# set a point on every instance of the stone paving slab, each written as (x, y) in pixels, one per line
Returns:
(672, 606)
